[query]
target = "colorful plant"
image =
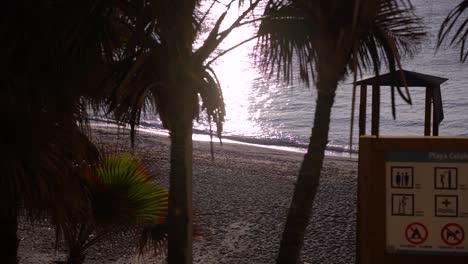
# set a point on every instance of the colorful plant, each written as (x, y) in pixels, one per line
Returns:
(123, 199)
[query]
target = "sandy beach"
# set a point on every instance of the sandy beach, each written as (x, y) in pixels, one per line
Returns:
(241, 200)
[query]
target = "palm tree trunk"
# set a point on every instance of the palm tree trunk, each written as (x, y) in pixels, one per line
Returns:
(180, 196)
(309, 176)
(76, 256)
(8, 238)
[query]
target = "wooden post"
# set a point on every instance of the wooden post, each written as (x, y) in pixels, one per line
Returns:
(435, 126)
(363, 110)
(435, 120)
(375, 108)
(353, 104)
(428, 111)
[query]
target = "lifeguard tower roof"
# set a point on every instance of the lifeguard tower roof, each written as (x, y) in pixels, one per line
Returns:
(402, 78)
(412, 79)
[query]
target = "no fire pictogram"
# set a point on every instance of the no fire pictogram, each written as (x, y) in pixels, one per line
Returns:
(416, 233)
(452, 234)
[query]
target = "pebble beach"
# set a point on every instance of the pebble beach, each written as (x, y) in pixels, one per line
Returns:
(240, 200)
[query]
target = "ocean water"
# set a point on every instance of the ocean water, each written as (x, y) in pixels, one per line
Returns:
(264, 111)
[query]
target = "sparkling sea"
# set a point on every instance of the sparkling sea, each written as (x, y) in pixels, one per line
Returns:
(264, 111)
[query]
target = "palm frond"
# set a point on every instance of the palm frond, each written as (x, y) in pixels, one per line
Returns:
(363, 34)
(123, 194)
(39, 155)
(395, 32)
(212, 99)
(59, 56)
(286, 32)
(291, 32)
(122, 198)
(154, 236)
(460, 35)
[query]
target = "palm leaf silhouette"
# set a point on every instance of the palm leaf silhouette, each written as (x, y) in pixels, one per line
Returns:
(460, 35)
(123, 199)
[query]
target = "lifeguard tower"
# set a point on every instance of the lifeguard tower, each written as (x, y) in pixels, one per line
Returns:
(402, 78)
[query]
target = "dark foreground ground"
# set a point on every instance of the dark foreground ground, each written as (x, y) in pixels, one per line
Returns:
(240, 198)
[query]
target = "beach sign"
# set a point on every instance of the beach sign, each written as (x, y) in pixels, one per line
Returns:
(412, 200)
(427, 202)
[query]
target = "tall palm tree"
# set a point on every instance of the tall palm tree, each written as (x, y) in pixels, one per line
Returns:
(459, 37)
(172, 75)
(328, 39)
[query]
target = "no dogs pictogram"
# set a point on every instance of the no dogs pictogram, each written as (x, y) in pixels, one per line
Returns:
(416, 233)
(452, 234)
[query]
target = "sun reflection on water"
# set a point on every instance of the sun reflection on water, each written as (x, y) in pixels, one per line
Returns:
(237, 73)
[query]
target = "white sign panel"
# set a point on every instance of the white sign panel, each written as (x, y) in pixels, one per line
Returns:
(427, 203)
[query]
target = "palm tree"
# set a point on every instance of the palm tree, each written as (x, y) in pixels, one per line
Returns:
(328, 39)
(459, 38)
(172, 75)
(58, 56)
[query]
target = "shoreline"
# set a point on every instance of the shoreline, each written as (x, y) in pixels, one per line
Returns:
(198, 135)
(240, 201)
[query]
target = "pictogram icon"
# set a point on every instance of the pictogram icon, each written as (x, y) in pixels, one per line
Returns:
(416, 233)
(403, 204)
(445, 178)
(402, 177)
(452, 234)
